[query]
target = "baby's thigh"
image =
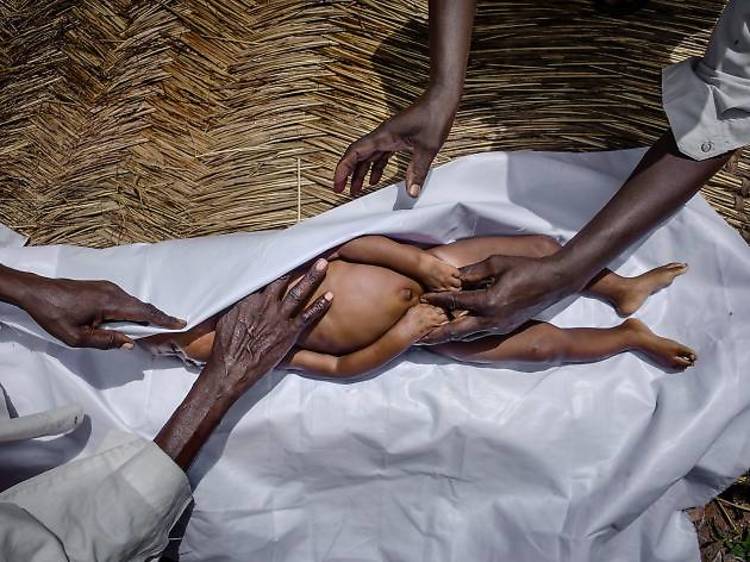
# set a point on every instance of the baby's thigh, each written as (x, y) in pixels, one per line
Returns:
(472, 250)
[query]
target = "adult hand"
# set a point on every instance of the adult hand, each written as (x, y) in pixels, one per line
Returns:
(251, 339)
(257, 333)
(516, 289)
(73, 311)
(420, 129)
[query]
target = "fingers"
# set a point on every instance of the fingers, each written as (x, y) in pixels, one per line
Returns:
(416, 173)
(378, 167)
(458, 329)
(478, 272)
(302, 291)
(103, 339)
(315, 311)
(359, 151)
(361, 169)
(130, 309)
(358, 177)
(474, 301)
(277, 289)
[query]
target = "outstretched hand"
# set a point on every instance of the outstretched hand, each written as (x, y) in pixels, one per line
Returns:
(73, 311)
(420, 129)
(251, 339)
(256, 333)
(514, 290)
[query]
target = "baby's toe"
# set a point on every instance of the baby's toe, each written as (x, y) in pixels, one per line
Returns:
(680, 266)
(684, 357)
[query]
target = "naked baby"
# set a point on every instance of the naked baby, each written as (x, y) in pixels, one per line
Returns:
(376, 312)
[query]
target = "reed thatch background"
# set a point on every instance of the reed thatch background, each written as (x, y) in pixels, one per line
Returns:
(128, 121)
(124, 121)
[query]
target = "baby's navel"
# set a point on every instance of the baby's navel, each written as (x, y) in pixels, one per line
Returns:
(406, 294)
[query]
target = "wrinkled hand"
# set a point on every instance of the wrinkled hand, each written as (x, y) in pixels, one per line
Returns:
(420, 129)
(72, 311)
(516, 289)
(257, 332)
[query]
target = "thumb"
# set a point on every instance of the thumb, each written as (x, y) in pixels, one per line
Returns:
(416, 173)
(104, 339)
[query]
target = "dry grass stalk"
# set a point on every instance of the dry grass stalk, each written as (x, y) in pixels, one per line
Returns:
(125, 121)
(132, 121)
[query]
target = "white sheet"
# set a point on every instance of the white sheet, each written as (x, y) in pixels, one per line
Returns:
(429, 461)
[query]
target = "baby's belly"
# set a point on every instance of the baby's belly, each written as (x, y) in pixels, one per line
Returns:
(367, 301)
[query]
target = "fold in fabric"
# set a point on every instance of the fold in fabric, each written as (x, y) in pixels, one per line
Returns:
(429, 460)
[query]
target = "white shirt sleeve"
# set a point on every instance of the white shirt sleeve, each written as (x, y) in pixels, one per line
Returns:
(116, 505)
(707, 100)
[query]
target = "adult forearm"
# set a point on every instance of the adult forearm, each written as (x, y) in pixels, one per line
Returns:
(195, 419)
(661, 183)
(14, 284)
(251, 339)
(451, 22)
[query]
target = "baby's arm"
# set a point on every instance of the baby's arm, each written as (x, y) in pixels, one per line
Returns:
(406, 259)
(416, 323)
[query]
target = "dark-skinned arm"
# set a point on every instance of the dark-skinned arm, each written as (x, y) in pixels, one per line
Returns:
(422, 127)
(73, 311)
(522, 287)
(132, 486)
(251, 339)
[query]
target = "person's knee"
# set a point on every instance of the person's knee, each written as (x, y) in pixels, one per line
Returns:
(546, 348)
(543, 246)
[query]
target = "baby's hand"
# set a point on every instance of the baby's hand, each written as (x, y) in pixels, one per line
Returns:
(438, 275)
(421, 319)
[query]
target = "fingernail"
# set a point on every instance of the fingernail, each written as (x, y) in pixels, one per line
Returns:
(320, 265)
(328, 296)
(414, 189)
(127, 345)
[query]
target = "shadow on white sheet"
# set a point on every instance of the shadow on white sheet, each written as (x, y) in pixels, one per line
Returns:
(429, 461)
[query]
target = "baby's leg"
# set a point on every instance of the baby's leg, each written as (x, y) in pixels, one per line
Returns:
(626, 294)
(195, 344)
(540, 342)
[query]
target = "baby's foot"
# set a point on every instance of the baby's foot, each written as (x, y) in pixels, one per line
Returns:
(638, 289)
(667, 353)
(437, 275)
